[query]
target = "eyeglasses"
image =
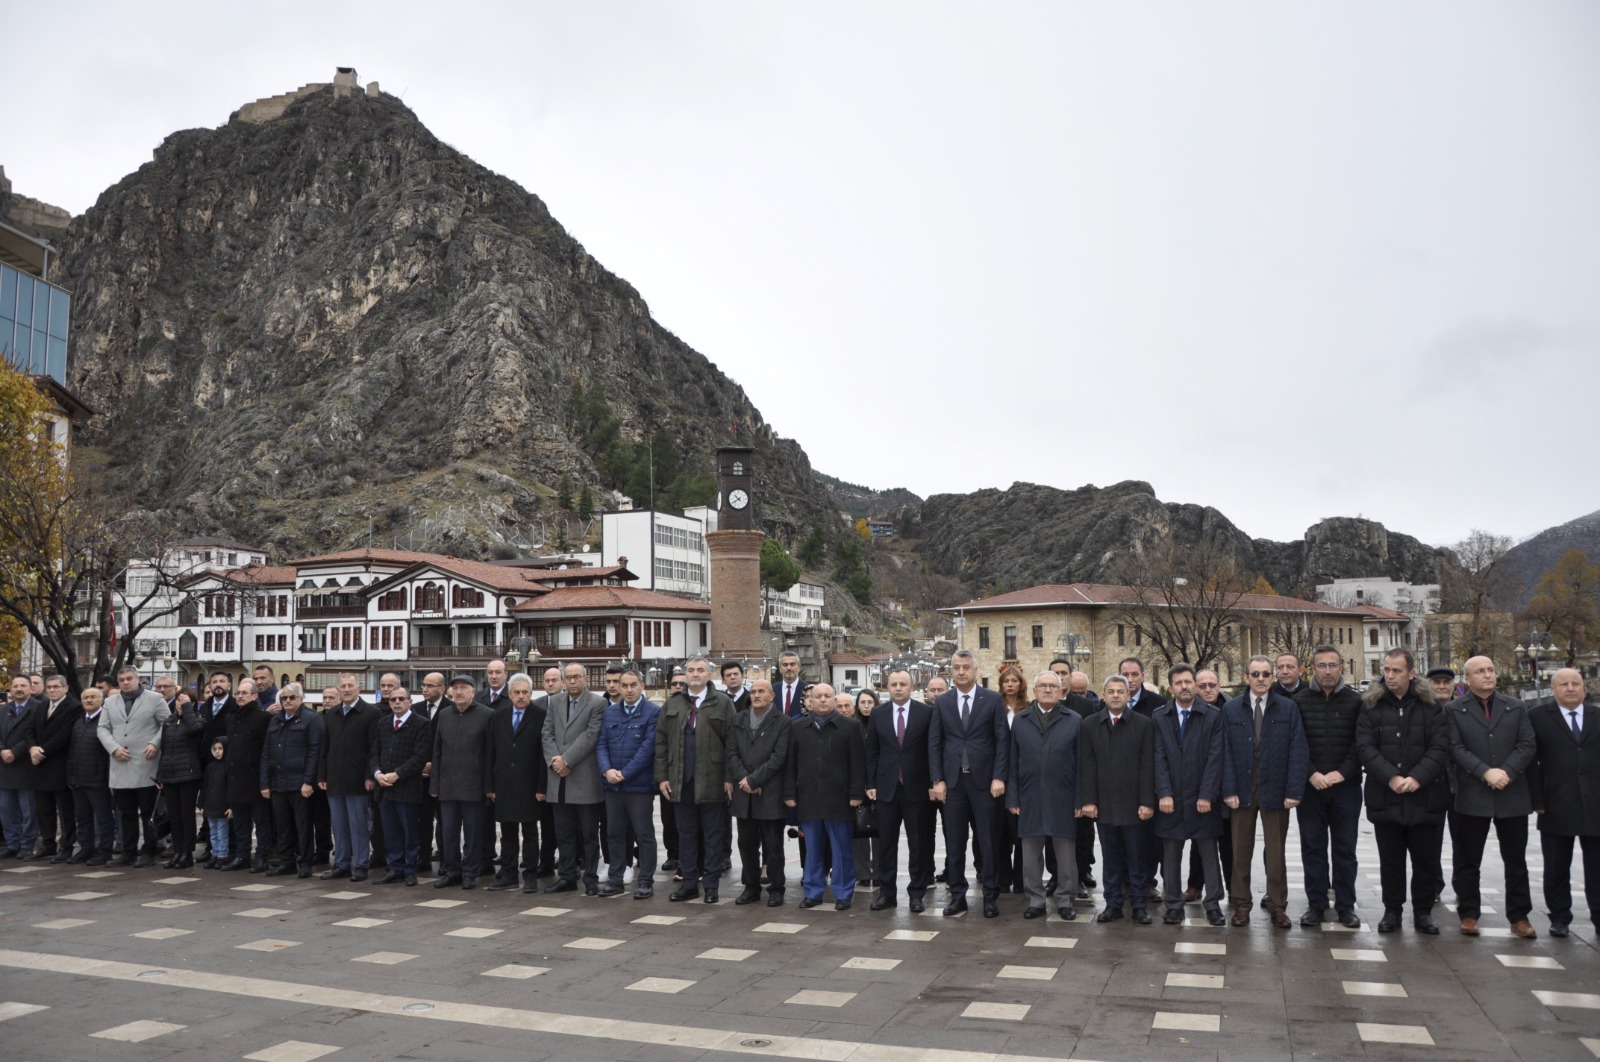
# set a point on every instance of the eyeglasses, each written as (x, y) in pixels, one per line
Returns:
(1260, 674)
(399, 700)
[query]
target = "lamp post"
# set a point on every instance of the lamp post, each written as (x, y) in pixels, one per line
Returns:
(524, 652)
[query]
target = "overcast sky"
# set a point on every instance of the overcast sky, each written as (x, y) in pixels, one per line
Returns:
(1291, 260)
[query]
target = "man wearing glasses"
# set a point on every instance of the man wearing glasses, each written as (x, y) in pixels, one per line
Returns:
(401, 744)
(1264, 769)
(290, 760)
(1331, 810)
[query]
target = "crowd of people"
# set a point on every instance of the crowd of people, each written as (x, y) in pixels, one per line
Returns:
(1029, 775)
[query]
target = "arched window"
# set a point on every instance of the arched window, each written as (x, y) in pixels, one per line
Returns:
(738, 468)
(430, 598)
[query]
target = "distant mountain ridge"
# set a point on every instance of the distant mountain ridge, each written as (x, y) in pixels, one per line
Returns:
(1532, 558)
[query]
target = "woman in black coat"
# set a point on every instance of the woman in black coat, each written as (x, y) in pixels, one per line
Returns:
(178, 776)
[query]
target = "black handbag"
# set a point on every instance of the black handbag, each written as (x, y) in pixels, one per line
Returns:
(867, 819)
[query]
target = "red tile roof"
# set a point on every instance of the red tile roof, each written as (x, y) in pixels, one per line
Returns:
(588, 598)
(847, 658)
(1378, 612)
(376, 556)
(262, 574)
(1069, 594)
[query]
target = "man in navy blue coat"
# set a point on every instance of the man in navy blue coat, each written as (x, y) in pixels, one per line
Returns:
(1265, 763)
(897, 781)
(1188, 771)
(969, 746)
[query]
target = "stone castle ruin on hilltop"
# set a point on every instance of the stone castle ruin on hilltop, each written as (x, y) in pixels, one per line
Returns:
(266, 109)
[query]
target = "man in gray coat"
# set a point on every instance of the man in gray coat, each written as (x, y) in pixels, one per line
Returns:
(758, 755)
(571, 731)
(130, 730)
(1493, 746)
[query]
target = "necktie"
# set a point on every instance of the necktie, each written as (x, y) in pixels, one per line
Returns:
(516, 720)
(788, 697)
(900, 724)
(1488, 714)
(1183, 723)
(1116, 719)
(569, 709)
(1577, 733)
(1258, 718)
(397, 723)
(694, 713)
(965, 709)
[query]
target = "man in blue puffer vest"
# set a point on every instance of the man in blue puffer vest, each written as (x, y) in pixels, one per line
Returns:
(626, 754)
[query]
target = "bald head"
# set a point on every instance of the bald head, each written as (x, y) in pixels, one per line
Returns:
(1568, 686)
(1482, 676)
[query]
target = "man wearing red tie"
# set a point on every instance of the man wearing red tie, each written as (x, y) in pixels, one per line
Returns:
(791, 688)
(897, 779)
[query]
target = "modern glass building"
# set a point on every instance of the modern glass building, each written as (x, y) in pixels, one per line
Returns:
(33, 312)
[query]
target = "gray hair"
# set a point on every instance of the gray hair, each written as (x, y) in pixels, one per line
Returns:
(293, 687)
(964, 654)
(1047, 674)
(1117, 679)
(522, 677)
(634, 672)
(1267, 660)
(125, 669)
(697, 660)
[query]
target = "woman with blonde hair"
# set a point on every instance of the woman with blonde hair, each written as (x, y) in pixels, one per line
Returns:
(1013, 686)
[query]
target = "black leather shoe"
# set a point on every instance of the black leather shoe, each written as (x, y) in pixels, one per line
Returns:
(1068, 914)
(1034, 912)
(1349, 919)
(469, 883)
(607, 889)
(841, 905)
(809, 902)
(336, 872)
(1390, 922)
(711, 896)
(62, 856)
(1110, 914)
(281, 870)
(881, 902)
(446, 882)
(305, 872)
(1172, 918)
(390, 878)
(1557, 929)
(1083, 892)
(991, 909)
(169, 864)
(747, 896)
(917, 905)
(562, 886)
(1314, 916)
(138, 864)
(679, 895)
(1050, 887)
(1215, 916)
(232, 864)
(644, 892)
(591, 890)
(671, 864)
(1141, 916)
(530, 886)
(411, 879)
(955, 907)
(1088, 880)
(258, 868)
(1424, 924)
(358, 874)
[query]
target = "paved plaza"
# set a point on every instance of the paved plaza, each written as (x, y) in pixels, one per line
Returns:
(131, 965)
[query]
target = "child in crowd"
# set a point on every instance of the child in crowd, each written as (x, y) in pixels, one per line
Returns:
(216, 804)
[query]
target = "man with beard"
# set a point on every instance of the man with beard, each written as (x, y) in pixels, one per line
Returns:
(1188, 770)
(130, 730)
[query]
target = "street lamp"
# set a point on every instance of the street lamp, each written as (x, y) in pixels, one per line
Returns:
(524, 651)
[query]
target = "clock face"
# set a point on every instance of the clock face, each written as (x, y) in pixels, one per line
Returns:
(738, 499)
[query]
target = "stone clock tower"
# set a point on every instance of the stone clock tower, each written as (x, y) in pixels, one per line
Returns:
(735, 560)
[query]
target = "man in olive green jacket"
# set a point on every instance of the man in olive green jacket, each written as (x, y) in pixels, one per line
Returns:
(692, 772)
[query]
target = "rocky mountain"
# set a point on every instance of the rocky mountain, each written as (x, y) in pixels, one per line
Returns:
(318, 326)
(857, 500)
(1028, 534)
(1532, 558)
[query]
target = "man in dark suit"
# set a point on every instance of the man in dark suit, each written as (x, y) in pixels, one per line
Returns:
(1208, 691)
(1493, 748)
(733, 679)
(53, 723)
(1188, 775)
(1140, 700)
(790, 687)
(291, 755)
(1567, 796)
(969, 747)
(401, 745)
(897, 779)
(1117, 791)
(460, 780)
(342, 776)
(1290, 675)
(758, 759)
(17, 819)
(1266, 762)
(216, 709)
(433, 702)
(517, 781)
(494, 695)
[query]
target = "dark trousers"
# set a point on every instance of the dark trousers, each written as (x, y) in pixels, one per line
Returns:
(1330, 816)
(321, 824)
(1395, 843)
(291, 822)
(916, 815)
(1472, 834)
(53, 805)
(181, 797)
(630, 817)
(547, 840)
(430, 831)
(92, 808)
(1084, 849)
(577, 842)
(669, 828)
(514, 838)
(254, 812)
(402, 830)
(1558, 875)
(380, 847)
(761, 845)
(462, 859)
(1197, 877)
(969, 807)
(700, 842)
(1008, 850)
(486, 845)
(1206, 850)
(1125, 874)
(136, 808)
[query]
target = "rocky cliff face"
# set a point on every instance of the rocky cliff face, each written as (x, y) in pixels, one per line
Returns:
(330, 325)
(1030, 534)
(1532, 558)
